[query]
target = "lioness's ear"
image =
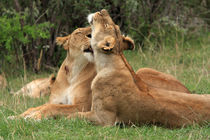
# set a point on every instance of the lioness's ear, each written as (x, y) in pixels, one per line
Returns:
(63, 41)
(128, 43)
(107, 44)
(52, 79)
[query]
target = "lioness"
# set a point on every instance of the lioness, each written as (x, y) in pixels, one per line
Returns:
(119, 94)
(71, 90)
(36, 88)
(161, 80)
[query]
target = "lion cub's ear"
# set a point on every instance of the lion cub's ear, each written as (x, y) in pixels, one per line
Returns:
(128, 43)
(107, 44)
(63, 41)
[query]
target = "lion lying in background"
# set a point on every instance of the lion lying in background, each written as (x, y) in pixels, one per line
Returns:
(37, 88)
(71, 91)
(118, 94)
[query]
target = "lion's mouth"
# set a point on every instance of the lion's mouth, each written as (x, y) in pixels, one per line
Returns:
(88, 50)
(89, 36)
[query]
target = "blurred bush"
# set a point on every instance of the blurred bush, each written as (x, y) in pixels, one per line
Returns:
(29, 28)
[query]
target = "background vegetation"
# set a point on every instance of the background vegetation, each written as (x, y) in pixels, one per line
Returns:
(172, 36)
(29, 28)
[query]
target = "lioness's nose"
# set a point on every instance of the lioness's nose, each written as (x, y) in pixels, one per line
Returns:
(104, 11)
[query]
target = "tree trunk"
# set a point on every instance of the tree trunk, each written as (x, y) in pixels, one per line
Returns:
(54, 33)
(26, 55)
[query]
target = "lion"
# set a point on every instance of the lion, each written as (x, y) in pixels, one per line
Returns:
(71, 91)
(3, 81)
(118, 94)
(162, 80)
(36, 88)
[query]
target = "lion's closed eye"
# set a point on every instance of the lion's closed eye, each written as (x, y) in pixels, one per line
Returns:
(107, 44)
(89, 36)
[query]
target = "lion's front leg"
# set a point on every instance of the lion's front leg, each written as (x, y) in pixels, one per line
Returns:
(30, 111)
(103, 118)
(90, 116)
(51, 110)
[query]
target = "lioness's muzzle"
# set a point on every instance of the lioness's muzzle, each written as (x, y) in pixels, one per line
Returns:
(89, 49)
(90, 18)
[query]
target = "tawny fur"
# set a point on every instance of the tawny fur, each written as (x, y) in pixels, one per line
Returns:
(119, 95)
(161, 80)
(36, 88)
(71, 91)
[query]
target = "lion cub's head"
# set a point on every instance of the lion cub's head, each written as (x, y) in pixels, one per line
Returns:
(106, 36)
(77, 43)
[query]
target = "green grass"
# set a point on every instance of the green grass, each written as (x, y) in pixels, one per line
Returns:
(190, 64)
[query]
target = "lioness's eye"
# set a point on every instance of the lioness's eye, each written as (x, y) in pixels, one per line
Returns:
(89, 35)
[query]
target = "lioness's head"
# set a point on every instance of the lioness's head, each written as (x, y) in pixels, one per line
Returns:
(106, 36)
(77, 43)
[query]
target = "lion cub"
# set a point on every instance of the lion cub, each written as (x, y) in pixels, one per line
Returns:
(119, 94)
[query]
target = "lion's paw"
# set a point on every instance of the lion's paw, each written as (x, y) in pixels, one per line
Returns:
(33, 115)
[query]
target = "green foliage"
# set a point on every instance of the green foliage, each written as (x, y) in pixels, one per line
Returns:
(13, 34)
(37, 31)
(155, 23)
(152, 24)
